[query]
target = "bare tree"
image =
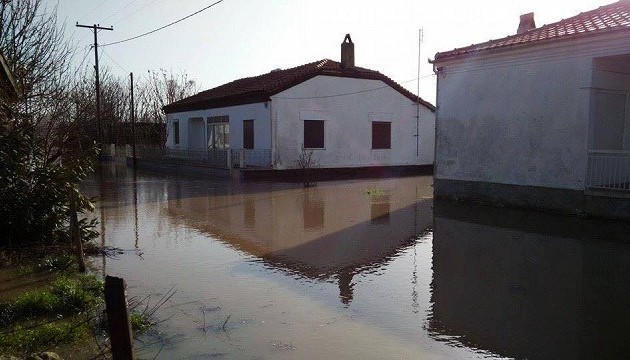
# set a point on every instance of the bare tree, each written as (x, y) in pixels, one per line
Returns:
(37, 53)
(162, 88)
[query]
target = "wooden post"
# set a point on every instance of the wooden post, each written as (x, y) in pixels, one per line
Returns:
(118, 318)
(75, 232)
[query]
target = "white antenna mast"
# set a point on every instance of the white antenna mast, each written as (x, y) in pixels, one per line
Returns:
(420, 39)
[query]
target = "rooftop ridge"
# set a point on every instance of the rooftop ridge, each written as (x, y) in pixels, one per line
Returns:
(614, 16)
(260, 88)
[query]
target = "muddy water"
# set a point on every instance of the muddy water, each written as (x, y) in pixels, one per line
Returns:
(366, 269)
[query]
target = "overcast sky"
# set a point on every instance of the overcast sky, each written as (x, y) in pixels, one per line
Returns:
(239, 38)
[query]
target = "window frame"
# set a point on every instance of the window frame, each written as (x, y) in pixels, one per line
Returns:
(323, 135)
(253, 134)
(213, 123)
(379, 145)
(176, 133)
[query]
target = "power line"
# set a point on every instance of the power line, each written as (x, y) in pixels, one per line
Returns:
(119, 10)
(115, 62)
(89, 48)
(165, 26)
(137, 11)
(91, 11)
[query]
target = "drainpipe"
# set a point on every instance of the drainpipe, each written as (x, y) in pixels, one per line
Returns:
(437, 70)
(272, 130)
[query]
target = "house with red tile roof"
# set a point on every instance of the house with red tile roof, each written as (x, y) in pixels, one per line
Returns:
(541, 118)
(339, 115)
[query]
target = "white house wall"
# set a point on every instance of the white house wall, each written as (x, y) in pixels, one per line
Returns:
(519, 117)
(348, 127)
(258, 112)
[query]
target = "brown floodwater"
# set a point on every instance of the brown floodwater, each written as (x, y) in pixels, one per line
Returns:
(368, 269)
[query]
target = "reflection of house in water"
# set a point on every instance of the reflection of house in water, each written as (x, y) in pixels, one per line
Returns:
(331, 231)
(529, 286)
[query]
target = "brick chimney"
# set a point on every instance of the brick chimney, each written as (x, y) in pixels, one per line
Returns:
(527, 23)
(347, 52)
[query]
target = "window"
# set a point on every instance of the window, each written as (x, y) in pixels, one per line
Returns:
(218, 132)
(313, 134)
(176, 132)
(381, 135)
(248, 134)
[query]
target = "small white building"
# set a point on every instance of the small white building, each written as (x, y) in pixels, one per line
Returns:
(539, 119)
(348, 116)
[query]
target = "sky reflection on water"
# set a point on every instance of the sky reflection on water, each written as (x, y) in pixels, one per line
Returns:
(361, 269)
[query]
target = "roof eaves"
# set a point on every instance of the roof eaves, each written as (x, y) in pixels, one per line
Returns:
(202, 104)
(460, 53)
(504, 43)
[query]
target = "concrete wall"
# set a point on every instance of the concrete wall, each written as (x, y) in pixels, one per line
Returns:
(519, 117)
(348, 127)
(258, 112)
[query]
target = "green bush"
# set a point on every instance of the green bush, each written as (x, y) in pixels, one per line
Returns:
(37, 175)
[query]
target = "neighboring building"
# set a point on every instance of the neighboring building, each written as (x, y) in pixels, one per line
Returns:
(348, 116)
(540, 119)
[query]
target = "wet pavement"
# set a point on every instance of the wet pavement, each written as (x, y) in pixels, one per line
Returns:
(368, 269)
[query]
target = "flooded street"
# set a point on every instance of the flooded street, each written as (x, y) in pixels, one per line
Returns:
(369, 269)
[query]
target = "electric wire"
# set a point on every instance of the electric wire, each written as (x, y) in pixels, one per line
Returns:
(85, 56)
(94, 8)
(165, 26)
(135, 12)
(115, 62)
(119, 10)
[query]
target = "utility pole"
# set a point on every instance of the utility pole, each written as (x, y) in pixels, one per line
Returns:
(95, 28)
(133, 123)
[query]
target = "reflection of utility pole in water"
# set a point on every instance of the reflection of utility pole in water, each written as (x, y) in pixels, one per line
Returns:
(414, 273)
(102, 211)
(135, 207)
(346, 292)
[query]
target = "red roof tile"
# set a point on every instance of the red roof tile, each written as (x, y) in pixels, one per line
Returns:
(612, 17)
(261, 88)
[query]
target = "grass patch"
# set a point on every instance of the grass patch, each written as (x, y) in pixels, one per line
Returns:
(51, 263)
(59, 314)
(28, 339)
(140, 323)
(375, 192)
(65, 296)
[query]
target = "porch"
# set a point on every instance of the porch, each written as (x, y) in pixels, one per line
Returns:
(608, 166)
(609, 170)
(213, 158)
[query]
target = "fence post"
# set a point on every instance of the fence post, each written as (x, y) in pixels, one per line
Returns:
(242, 159)
(118, 318)
(75, 231)
(229, 158)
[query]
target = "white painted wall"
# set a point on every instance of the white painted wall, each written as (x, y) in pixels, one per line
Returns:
(519, 117)
(258, 112)
(348, 127)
